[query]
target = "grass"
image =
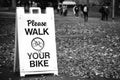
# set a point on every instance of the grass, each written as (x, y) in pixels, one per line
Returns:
(88, 49)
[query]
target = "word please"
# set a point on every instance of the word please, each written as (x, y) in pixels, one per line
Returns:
(34, 23)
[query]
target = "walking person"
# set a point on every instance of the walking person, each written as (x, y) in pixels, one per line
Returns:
(59, 9)
(64, 10)
(81, 12)
(85, 13)
(106, 13)
(76, 10)
(34, 4)
(102, 11)
(19, 3)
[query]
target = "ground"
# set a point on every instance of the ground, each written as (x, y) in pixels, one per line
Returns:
(85, 50)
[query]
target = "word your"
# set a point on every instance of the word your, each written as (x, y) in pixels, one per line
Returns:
(35, 55)
(39, 59)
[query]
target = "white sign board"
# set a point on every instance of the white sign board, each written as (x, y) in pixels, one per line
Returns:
(36, 41)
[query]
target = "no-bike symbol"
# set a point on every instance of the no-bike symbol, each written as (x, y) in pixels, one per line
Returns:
(37, 44)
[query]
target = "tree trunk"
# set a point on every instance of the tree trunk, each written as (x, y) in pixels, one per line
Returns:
(113, 9)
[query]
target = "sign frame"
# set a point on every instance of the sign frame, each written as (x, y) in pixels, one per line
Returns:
(21, 64)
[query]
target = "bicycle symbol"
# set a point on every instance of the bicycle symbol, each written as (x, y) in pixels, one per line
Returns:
(37, 44)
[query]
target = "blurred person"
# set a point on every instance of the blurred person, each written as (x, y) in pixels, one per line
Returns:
(106, 12)
(19, 3)
(30, 3)
(26, 5)
(102, 11)
(81, 12)
(85, 13)
(34, 4)
(59, 9)
(64, 10)
(76, 10)
(50, 4)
